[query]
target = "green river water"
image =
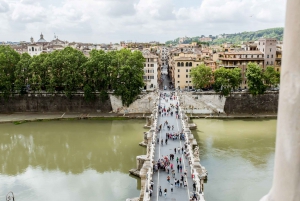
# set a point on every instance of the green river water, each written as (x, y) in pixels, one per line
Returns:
(89, 160)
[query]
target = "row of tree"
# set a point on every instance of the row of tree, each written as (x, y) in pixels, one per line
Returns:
(69, 70)
(226, 80)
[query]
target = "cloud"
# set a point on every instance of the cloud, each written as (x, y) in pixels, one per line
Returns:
(143, 20)
(3, 7)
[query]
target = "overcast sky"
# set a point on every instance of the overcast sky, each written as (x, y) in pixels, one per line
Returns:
(104, 21)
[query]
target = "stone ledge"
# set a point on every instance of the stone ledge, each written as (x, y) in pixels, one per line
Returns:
(135, 172)
(143, 144)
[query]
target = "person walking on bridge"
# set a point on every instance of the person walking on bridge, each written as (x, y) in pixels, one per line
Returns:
(165, 192)
(160, 191)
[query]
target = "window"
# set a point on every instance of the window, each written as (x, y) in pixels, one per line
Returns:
(178, 64)
(182, 64)
(267, 56)
(267, 63)
(178, 76)
(144, 65)
(178, 81)
(245, 82)
(271, 62)
(190, 81)
(272, 56)
(187, 76)
(186, 64)
(186, 81)
(191, 64)
(263, 49)
(178, 70)
(152, 65)
(270, 49)
(187, 70)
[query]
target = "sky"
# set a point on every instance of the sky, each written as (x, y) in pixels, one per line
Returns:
(105, 21)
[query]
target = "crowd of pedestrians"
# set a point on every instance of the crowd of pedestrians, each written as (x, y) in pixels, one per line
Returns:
(171, 164)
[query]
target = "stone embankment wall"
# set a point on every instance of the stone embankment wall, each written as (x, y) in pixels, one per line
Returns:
(143, 104)
(52, 103)
(245, 103)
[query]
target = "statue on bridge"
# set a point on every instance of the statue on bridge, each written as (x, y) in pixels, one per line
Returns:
(196, 152)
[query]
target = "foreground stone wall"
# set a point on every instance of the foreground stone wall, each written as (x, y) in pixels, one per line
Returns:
(245, 103)
(52, 103)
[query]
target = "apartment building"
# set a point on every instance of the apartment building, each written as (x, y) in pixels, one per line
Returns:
(268, 47)
(150, 70)
(240, 59)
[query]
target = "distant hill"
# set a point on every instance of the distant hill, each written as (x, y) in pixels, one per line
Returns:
(238, 38)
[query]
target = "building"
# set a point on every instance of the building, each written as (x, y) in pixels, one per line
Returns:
(240, 59)
(268, 47)
(150, 70)
(205, 39)
(35, 49)
(164, 52)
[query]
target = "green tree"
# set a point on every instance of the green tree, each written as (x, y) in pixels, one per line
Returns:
(271, 76)
(8, 62)
(39, 73)
(255, 77)
(129, 75)
(227, 80)
(201, 76)
(22, 73)
(65, 69)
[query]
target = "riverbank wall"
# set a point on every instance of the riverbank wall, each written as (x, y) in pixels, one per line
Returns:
(202, 103)
(52, 103)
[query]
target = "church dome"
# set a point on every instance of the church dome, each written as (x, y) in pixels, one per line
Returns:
(42, 40)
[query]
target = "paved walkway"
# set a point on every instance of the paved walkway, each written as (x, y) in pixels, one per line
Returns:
(160, 177)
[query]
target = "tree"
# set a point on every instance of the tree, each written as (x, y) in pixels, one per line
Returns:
(227, 80)
(38, 76)
(201, 76)
(65, 69)
(271, 76)
(254, 76)
(8, 61)
(129, 75)
(22, 73)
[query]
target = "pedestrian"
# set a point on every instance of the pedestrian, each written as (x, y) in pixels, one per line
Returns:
(185, 183)
(181, 149)
(194, 186)
(177, 160)
(180, 160)
(160, 191)
(165, 192)
(168, 178)
(174, 148)
(171, 188)
(178, 168)
(151, 191)
(152, 183)
(173, 173)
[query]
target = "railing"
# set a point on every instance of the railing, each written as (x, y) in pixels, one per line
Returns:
(151, 156)
(191, 158)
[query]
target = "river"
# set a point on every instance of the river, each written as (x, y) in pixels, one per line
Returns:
(89, 160)
(239, 157)
(70, 160)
